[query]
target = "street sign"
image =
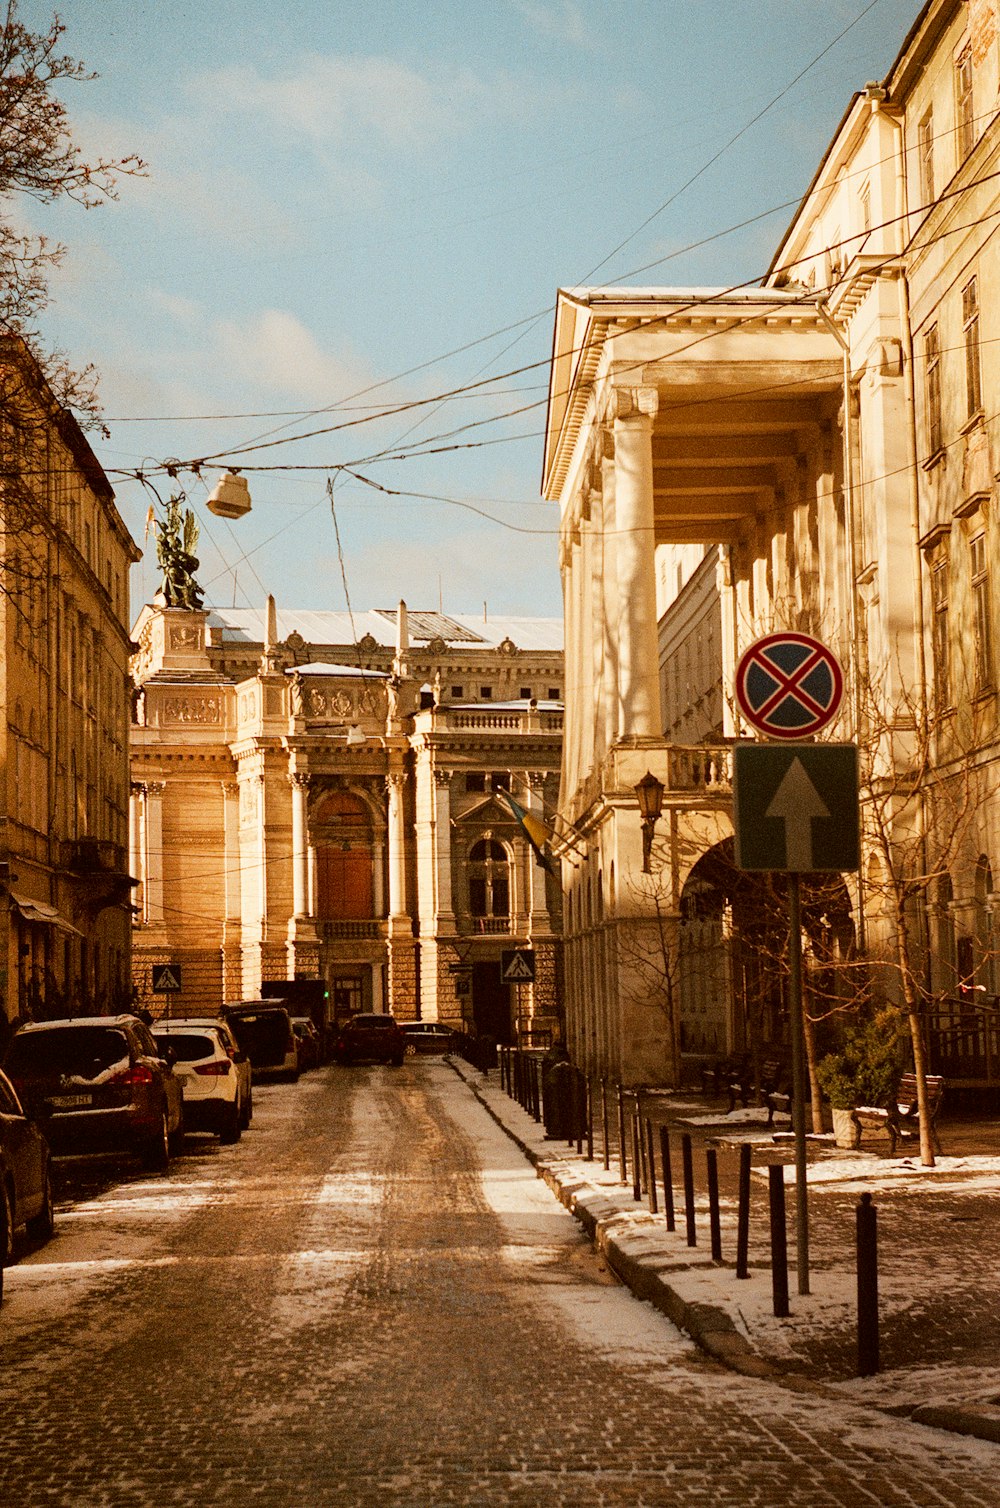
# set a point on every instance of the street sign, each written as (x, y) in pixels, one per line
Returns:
(795, 807)
(789, 685)
(517, 965)
(166, 978)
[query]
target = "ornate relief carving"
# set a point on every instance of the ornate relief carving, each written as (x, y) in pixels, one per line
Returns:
(368, 701)
(507, 647)
(184, 636)
(343, 703)
(315, 702)
(368, 644)
(249, 801)
(189, 709)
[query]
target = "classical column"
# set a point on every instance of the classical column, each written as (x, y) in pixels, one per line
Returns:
(538, 902)
(395, 784)
(442, 850)
(300, 846)
(153, 889)
(608, 607)
(639, 674)
(135, 864)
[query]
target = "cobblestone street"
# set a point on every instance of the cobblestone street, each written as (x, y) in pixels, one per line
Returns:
(373, 1300)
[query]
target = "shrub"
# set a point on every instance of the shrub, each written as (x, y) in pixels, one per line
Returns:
(866, 1070)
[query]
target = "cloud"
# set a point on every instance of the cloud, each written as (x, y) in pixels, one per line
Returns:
(562, 19)
(276, 353)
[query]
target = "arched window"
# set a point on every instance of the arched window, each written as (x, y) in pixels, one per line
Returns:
(489, 879)
(342, 832)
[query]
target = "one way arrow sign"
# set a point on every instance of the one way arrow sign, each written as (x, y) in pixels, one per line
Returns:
(796, 807)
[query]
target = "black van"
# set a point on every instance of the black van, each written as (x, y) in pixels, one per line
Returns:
(263, 1029)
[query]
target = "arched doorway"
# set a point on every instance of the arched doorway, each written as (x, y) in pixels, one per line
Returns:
(343, 839)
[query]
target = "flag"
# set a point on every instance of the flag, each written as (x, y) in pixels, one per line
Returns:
(535, 830)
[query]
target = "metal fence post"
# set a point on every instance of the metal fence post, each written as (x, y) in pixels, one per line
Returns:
(622, 1155)
(668, 1178)
(743, 1214)
(651, 1169)
(779, 1240)
(867, 1247)
(714, 1225)
(687, 1162)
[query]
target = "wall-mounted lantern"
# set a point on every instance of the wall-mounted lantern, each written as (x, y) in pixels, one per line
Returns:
(649, 794)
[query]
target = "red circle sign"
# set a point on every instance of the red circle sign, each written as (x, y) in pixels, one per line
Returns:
(789, 685)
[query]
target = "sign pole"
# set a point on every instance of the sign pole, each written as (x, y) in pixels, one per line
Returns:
(798, 1079)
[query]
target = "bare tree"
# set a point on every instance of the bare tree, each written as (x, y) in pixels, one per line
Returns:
(40, 160)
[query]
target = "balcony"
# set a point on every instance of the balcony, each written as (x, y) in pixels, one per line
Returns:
(353, 931)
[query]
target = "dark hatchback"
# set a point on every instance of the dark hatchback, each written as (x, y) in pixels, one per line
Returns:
(264, 1031)
(371, 1039)
(98, 1084)
(25, 1178)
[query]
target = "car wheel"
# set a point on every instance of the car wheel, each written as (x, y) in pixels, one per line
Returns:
(156, 1151)
(231, 1129)
(411, 1049)
(42, 1225)
(6, 1234)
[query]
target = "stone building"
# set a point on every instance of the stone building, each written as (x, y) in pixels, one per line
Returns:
(818, 453)
(65, 927)
(315, 795)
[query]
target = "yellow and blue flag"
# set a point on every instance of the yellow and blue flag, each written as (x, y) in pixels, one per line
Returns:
(535, 830)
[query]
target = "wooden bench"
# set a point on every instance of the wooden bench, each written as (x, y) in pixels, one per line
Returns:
(716, 1077)
(903, 1118)
(773, 1079)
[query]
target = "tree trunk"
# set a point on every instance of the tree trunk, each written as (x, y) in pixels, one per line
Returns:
(815, 1092)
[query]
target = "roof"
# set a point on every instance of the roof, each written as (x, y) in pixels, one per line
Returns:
(322, 667)
(247, 625)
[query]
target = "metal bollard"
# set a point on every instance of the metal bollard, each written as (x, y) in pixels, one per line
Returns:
(867, 1245)
(714, 1224)
(636, 1158)
(580, 1107)
(622, 1155)
(779, 1240)
(668, 1178)
(588, 1100)
(651, 1169)
(687, 1162)
(743, 1215)
(604, 1121)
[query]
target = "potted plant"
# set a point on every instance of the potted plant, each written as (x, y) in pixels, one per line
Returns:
(865, 1071)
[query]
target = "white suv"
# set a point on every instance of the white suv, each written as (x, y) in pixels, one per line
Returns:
(239, 1059)
(208, 1077)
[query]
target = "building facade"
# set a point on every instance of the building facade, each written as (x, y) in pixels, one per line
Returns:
(826, 445)
(65, 927)
(315, 795)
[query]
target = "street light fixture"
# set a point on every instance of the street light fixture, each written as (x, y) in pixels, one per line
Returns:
(649, 794)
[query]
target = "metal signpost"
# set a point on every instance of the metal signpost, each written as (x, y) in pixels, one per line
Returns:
(795, 809)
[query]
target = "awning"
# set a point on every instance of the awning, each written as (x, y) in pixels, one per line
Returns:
(41, 911)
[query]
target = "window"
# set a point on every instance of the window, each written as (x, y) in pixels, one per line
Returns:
(475, 780)
(940, 644)
(932, 389)
(457, 691)
(925, 157)
(973, 368)
(489, 879)
(553, 693)
(486, 692)
(982, 631)
(524, 692)
(965, 121)
(500, 781)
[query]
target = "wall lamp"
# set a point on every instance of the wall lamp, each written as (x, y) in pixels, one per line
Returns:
(649, 794)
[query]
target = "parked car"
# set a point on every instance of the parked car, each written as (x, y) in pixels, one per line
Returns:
(209, 1081)
(307, 1038)
(98, 1084)
(428, 1037)
(264, 1031)
(238, 1058)
(25, 1177)
(375, 1038)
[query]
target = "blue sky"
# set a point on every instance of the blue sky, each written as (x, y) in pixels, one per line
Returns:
(340, 194)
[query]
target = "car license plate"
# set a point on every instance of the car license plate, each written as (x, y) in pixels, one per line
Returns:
(70, 1101)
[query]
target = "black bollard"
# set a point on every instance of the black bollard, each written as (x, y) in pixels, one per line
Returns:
(651, 1169)
(579, 1107)
(604, 1121)
(622, 1154)
(714, 1225)
(743, 1215)
(668, 1177)
(779, 1240)
(687, 1162)
(867, 1242)
(588, 1101)
(636, 1158)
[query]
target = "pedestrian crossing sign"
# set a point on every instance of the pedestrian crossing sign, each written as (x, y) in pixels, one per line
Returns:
(517, 965)
(166, 978)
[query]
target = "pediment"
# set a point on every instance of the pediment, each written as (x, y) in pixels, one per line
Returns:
(486, 813)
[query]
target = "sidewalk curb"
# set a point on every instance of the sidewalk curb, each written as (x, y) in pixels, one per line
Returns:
(710, 1327)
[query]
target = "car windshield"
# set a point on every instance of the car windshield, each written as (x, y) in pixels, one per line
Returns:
(81, 1051)
(188, 1046)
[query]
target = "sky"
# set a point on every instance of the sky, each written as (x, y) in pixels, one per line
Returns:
(352, 210)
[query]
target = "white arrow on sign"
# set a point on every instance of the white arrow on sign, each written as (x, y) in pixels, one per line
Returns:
(797, 802)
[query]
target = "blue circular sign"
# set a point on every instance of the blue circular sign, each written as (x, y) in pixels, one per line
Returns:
(789, 685)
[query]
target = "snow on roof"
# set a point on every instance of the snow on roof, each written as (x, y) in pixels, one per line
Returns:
(246, 625)
(323, 667)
